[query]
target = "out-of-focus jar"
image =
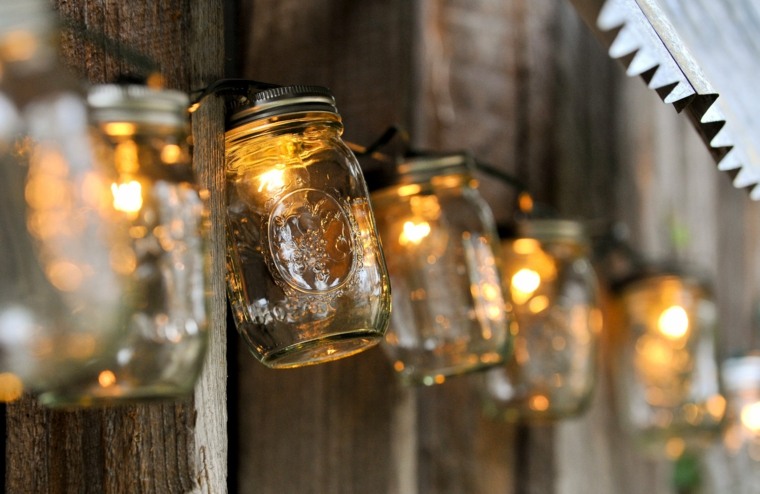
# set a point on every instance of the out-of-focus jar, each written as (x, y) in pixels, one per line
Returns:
(741, 382)
(306, 277)
(61, 292)
(450, 315)
(162, 351)
(667, 377)
(554, 292)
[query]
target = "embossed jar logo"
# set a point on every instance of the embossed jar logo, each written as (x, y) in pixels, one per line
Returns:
(311, 241)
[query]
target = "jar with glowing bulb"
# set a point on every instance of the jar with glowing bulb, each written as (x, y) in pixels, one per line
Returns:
(554, 292)
(60, 300)
(741, 381)
(306, 277)
(668, 386)
(161, 353)
(450, 315)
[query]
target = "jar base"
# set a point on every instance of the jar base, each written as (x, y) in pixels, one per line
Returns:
(429, 378)
(318, 351)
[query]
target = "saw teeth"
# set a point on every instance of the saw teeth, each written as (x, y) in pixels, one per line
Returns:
(637, 45)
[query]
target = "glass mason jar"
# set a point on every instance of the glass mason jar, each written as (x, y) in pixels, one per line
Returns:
(449, 315)
(667, 377)
(741, 382)
(306, 277)
(554, 292)
(61, 294)
(161, 353)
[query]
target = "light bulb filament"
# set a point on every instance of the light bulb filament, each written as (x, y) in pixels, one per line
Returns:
(414, 233)
(524, 283)
(673, 322)
(272, 181)
(127, 196)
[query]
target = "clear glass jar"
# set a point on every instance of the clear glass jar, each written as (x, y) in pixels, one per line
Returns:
(667, 377)
(306, 276)
(741, 382)
(450, 315)
(162, 351)
(60, 300)
(554, 292)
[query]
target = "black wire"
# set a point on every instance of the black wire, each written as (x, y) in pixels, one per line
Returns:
(230, 87)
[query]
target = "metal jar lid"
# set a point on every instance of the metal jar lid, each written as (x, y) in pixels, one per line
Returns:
(281, 101)
(421, 168)
(552, 228)
(138, 104)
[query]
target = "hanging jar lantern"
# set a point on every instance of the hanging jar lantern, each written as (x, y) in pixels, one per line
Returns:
(60, 298)
(741, 382)
(554, 292)
(449, 312)
(306, 277)
(161, 353)
(667, 377)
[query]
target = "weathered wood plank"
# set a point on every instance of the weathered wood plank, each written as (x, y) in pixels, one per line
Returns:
(170, 447)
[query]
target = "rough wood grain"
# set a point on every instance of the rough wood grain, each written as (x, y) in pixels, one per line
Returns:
(170, 447)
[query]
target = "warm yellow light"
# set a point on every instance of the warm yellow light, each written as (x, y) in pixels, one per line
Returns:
(64, 275)
(17, 46)
(539, 403)
(11, 387)
(750, 417)
(119, 128)
(525, 246)
(525, 202)
(126, 155)
(716, 406)
(127, 197)
(106, 379)
(673, 322)
(171, 153)
(414, 232)
(538, 304)
(675, 447)
(524, 283)
(408, 190)
(272, 181)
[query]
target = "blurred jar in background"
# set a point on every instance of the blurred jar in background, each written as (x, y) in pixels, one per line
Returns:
(554, 291)
(61, 295)
(667, 377)
(161, 353)
(741, 382)
(449, 315)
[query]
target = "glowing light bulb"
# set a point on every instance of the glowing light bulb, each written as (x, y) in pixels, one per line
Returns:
(414, 233)
(750, 417)
(11, 387)
(127, 197)
(673, 322)
(106, 378)
(272, 181)
(524, 283)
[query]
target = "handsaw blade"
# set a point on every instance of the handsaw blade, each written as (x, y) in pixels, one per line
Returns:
(688, 52)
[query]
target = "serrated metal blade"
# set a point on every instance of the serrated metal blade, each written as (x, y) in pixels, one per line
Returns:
(701, 57)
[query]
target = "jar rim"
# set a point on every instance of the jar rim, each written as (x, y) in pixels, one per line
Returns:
(282, 100)
(421, 168)
(138, 104)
